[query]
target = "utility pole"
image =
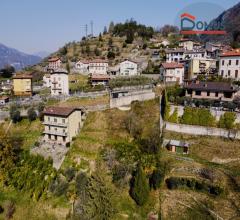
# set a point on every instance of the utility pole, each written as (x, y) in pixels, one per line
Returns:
(91, 23)
(86, 29)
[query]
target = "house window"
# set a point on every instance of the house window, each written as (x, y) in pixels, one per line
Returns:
(237, 61)
(198, 93)
(229, 72)
(236, 73)
(208, 93)
(229, 62)
(216, 94)
(63, 120)
(55, 129)
(48, 118)
(222, 62)
(55, 120)
(222, 72)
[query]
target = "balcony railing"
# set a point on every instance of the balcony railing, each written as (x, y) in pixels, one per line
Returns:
(58, 133)
(55, 123)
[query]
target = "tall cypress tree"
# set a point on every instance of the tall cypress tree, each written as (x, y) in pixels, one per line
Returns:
(139, 189)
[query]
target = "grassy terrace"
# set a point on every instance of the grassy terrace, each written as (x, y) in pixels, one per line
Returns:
(100, 130)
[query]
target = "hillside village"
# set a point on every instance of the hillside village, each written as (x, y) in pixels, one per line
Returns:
(130, 124)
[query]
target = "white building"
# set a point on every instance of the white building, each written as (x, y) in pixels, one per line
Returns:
(180, 54)
(82, 66)
(165, 43)
(47, 80)
(191, 54)
(54, 63)
(59, 82)
(92, 66)
(98, 67)
(186, 44)
(172, 72)
(229, 64)
(128, 68)
(175, 55)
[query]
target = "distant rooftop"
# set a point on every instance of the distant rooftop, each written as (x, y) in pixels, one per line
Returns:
(60, 111)
(22, 76)
(231, 53)
(53, 59)
(211, 86)
(172, 65)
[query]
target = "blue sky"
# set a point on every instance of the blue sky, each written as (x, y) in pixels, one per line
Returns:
(46, 25)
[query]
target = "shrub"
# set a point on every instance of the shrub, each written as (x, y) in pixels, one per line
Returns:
(32, 115)
(156, 178)
(70, 173)
(191, 183)
(197, 116)
(1, 209)
(174, 117)
(227, 120)
(10, 210)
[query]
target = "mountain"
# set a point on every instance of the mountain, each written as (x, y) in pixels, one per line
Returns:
(42, 54)
(231, 22)
(16, 58)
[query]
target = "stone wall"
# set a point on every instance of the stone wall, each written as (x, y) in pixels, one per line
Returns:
(201, 130)
(141, 95)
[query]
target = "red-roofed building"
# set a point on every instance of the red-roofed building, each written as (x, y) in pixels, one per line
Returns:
(172, 72)
(99, 79)
(54, 63)
(229, 64)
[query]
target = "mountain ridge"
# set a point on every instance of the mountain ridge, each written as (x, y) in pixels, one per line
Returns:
(16, 58)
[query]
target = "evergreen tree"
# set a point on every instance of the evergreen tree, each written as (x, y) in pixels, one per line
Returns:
(100, 37)
(32, 114)
(111, 27)
(98, 201)
(139, 189)
(165, 107)
(15, 114)
(105, 30)
(68, 67)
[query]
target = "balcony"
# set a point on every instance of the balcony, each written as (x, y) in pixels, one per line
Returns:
(55, 124)
(58, 133)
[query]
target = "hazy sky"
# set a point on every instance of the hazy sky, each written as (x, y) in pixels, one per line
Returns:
(46, 25)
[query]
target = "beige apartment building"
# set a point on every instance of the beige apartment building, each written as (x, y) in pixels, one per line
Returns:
(62, 124)
(22, 85)
(222, 91)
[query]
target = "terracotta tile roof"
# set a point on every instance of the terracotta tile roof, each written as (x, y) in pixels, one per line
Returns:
(59, 111)
(22, 76)
(175, 50)
(99, 77)
(231, 53)
(53, 59)
(172, 65)
(93, 61)
(4, 97)
(211, 86)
